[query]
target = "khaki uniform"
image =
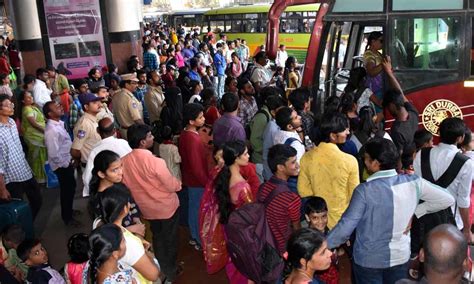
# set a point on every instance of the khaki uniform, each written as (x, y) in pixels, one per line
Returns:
(127, 109)
(105, 112)
(154, 102)
(85, 135)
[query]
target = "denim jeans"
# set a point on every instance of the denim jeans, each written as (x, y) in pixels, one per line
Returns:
(195, 195)
(220, 86)
(390, 275)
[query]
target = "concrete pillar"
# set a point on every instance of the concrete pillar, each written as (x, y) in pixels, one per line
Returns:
(28, 33)
(123, 22)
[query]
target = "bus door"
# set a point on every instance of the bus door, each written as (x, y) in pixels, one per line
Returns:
(344, 49)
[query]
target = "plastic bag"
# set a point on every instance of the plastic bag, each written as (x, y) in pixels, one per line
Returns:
(52, 180)
(212, 231)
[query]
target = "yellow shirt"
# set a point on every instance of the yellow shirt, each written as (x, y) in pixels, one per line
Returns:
(331, 174)
(85, 135)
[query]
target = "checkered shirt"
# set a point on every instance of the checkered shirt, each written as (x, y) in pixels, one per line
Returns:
(13, 165)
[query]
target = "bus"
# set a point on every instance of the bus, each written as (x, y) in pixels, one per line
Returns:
(250, 23)
(430, 43)
(188, 19)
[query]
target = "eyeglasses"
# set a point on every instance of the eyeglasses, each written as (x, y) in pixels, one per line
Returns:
(10, 105)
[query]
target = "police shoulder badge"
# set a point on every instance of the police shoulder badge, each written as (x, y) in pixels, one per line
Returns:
(81, 134)
(437, 111)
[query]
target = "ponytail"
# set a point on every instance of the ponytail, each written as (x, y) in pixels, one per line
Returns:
(103, 241)
(223, 195)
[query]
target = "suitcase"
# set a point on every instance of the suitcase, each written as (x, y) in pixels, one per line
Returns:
(16, 211)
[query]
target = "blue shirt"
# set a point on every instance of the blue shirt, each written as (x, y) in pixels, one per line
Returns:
(268, 137)
(228, 128)
(187, 53)
(140, 95)
(193, 75)
(380, 211)
(220, 63)
(150, 61)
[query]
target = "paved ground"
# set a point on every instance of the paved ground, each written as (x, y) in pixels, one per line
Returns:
(54, 235)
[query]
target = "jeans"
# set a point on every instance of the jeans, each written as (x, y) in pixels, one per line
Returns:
(67, 187)
(195, 195)
(31, 189)
(390, 275)
(165, 244)
(220, 86)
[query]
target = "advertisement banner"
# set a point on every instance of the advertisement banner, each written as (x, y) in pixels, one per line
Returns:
(75, 36)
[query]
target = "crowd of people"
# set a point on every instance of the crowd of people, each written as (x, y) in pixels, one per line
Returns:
(237, 133)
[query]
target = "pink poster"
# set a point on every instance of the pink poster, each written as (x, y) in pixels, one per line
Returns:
(75, 36)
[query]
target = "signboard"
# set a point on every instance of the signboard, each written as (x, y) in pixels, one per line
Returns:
(75, 36)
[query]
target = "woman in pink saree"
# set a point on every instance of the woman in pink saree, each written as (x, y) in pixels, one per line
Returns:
(225, 193)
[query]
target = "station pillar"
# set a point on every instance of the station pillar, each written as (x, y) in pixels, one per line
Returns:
(28, 34)
(123, 23)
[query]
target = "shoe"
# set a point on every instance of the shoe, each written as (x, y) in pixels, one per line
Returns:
(198, 247)
(192, 242)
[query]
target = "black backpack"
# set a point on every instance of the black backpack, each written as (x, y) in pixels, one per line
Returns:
(422, 226)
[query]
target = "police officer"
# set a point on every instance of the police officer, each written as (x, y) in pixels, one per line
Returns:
(85, 130)
(103, 92)
(127, 109)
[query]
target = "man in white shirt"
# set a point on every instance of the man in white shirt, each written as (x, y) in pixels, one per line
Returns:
(58, 142)
(106, 131)
(451, 134)
(281, 56)
(261, 75)
(291, 131)
(41, 92)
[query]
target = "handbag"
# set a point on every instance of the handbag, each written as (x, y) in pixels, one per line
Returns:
(51, 178)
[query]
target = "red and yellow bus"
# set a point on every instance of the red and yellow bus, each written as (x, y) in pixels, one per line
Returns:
(430, 43)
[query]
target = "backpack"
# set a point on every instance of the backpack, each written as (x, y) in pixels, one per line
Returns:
(247, 127)
(247, 74)
(250, 242)
(422, 226)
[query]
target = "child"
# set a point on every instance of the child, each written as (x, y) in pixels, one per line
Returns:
(194, 166)
(107, 247)
(12, 236)
(33, 254)
(316, 214)
(169, 152)
(78, 247)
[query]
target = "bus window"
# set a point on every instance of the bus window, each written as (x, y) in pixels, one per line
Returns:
(227, 23)
(217, 26)
(250, 23)
(263, 22)
(236, 23)
(426, 44)
(294, 22)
